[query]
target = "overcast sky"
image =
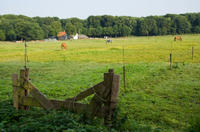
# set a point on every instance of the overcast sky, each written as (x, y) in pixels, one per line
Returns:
(84, 8)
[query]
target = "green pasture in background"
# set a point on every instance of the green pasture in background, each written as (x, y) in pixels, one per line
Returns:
(155, 99)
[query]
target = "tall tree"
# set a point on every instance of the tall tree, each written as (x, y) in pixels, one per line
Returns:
(142, 27)
(94, 21)
(2, 35)
(181, 24)
(55, 27)
(70, 29)
(11, 35)
(28, 31)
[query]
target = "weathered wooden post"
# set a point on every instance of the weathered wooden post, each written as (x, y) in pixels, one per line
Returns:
(15, 85)
(124, 77)
(18, 88)
(192, 53)
(24, 73)
(112, 83)
(27, 91)
(105, 92)
(170, 60)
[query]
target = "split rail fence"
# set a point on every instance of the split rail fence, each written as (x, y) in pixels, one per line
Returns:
(103, 103)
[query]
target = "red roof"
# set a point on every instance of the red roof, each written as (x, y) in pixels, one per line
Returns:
(60, 34)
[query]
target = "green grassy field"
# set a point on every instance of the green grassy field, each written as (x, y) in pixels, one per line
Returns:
(156, 98)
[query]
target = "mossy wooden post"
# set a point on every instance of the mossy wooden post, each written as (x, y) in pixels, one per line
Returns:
(15, 85)
(27, 92)
(111, 82)
(24, 73)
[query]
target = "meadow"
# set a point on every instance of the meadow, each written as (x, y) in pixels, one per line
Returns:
(156, 98)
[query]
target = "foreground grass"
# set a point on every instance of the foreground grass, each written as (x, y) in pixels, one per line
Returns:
(156, 98)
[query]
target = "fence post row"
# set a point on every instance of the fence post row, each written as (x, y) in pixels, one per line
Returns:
(105, 92)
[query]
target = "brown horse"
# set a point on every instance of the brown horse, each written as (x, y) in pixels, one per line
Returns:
(64, 46)
(177, 38)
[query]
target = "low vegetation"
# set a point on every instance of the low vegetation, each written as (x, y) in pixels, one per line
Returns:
(155, 99)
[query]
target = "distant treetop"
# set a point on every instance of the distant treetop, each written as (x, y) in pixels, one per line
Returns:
(17, 27)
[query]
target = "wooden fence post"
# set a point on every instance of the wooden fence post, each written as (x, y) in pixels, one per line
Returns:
(124, 77)
(192, 53)
(170, 60)
(111, 82)
(24, 73)
(105, 92)
(27, 91)
(15, 84)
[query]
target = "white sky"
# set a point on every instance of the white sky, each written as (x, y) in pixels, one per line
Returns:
(84, 8)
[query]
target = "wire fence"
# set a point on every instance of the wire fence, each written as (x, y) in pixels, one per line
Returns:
(120, 54)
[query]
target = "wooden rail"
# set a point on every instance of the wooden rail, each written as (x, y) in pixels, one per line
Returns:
(102, 104)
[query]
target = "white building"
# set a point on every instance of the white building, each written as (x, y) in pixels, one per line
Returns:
(75, 37)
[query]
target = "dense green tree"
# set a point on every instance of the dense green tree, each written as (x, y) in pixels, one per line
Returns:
(129, 22)
(70, 29)
(96, 32)
(28, 31)
(94, 21)
(196, 29)
(124, 30)
(2, 35)
(181, 24)
(11, 35)
(55, 27)
(50, 25)
(15, 27)
(142, 27)
(46, 29)
(151, 25)
(194, 20)
(107, 21)
(78, 23)
(107, 31)
(163, 24)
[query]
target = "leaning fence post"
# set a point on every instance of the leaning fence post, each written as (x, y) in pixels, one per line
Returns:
(112, 83)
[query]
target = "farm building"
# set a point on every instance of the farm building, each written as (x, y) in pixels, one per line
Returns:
(82, 36)
(79, 36)
(62, 36)
(75, 37)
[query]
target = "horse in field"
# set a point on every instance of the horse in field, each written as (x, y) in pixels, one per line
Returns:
(64, 46)
(177, 38)
(108, 41)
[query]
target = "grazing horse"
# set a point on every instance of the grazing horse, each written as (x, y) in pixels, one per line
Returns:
(64, 46)
(177, 38)
(109, 41)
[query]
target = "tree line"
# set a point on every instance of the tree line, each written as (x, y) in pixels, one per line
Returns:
(17, 27)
